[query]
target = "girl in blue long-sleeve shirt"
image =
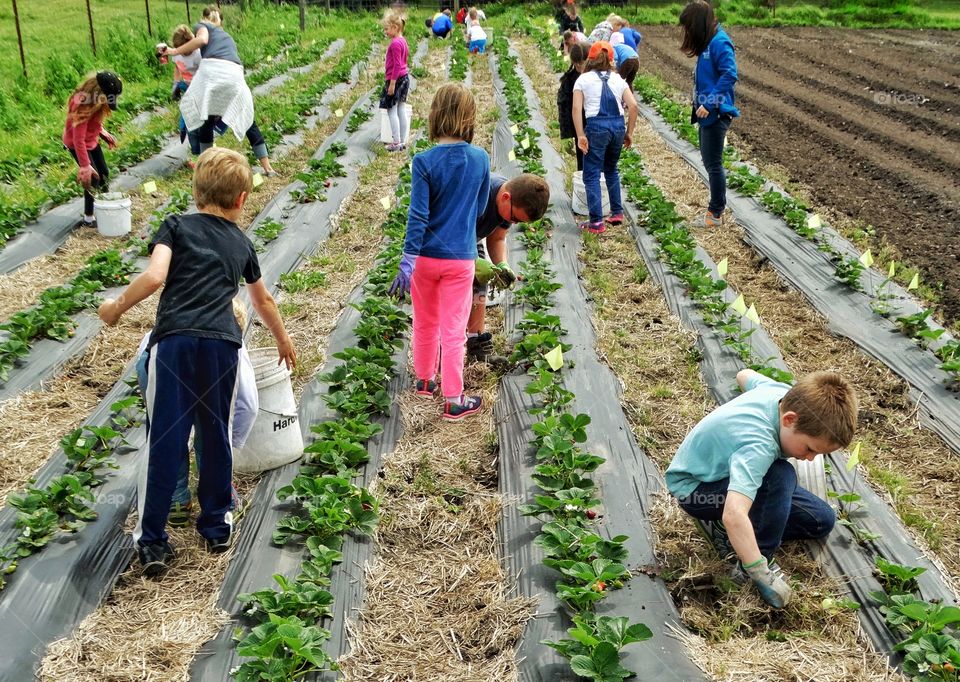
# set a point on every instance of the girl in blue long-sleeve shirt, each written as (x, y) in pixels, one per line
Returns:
(713, 99)
(440, 249)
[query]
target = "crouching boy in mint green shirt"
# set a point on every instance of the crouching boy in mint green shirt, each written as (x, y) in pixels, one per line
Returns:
(732, 475)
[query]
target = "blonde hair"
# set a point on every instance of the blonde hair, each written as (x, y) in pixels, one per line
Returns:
(240, 312)
(181, 35)
(393, 18)
(220, 177)
(452, 113)
(212, 14)
(473, 13)
(826, 407)
(93, 101)
(615, 20)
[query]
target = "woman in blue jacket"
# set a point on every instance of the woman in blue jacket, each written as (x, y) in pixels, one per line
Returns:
(713, 103)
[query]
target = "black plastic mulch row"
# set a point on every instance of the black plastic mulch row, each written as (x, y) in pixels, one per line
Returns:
(626, 482)
(256, 559)
(55, 589)
(848, 312)
(841, 556)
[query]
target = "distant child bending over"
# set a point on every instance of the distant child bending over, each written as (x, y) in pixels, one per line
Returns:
(242, 418)
(602, 31)
(627, 61)
(90, 103)
(478, 37)
(578, 58)
(451, 183)
(731, 472)
(713, 108)
(569, 20)
(570, 38)
(600, 95)
(397, 84)
(522, 199)
(198, 259)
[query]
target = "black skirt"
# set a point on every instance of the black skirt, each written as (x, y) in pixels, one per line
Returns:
(399, 93)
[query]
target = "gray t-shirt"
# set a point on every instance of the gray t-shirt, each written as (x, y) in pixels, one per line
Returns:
(220, 44)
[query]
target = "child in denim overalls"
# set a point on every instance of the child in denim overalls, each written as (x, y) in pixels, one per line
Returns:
(601, 95)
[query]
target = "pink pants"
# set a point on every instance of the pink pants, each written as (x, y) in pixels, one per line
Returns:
(442, 292)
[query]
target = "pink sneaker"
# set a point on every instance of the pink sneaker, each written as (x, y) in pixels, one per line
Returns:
(593, 228)
(468, 405)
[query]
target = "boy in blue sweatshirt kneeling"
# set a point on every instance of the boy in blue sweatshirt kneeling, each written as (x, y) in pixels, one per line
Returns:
(194, 351)
(732, 475)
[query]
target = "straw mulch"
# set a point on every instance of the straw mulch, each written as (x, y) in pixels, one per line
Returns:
(437, 606)
(920, 470)
(664, 398)
(178, 613)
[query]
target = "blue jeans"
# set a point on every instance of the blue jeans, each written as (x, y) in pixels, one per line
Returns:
(711, 153)
(781, 510)
(605, 136)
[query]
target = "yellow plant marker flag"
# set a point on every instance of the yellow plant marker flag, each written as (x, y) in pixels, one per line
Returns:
(752, 314)
(866, 258)
(914, 283)
(338, 113)
(525, 143)
(257, 180)
(739, 305)
(722, 267)
(511, 156)
(566, 58)
(893, 270)
(554, 358)
(559, 53)
(514, 129)
(150, 187)
(813, 222)
(385, 202)
(854, 458)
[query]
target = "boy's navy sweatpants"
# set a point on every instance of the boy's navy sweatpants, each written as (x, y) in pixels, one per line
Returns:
(189, 378)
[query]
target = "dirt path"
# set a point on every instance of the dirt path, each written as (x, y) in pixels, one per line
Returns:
(870, 129)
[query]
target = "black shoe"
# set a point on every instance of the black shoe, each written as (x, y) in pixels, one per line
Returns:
(220, 545)
(84, 223)
(479, 347)
(155, 558)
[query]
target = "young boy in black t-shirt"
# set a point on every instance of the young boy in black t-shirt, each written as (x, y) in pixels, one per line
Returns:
(194, 350)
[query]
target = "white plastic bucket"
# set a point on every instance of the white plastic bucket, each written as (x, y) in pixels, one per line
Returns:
(275, 438)
(580, 195)
(385, 135)
(113, 214)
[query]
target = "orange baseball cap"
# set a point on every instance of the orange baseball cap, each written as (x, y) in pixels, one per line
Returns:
(597, 47)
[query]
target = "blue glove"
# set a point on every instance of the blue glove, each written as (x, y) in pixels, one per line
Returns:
(401, 283)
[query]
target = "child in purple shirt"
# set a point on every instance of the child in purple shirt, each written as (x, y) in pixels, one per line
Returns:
(397, 81)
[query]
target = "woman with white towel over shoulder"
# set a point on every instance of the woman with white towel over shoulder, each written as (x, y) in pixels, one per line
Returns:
(218, 90)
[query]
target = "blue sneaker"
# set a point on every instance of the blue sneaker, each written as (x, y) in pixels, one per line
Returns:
(426, 388)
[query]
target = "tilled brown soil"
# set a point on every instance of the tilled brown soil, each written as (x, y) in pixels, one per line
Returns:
(868, 122)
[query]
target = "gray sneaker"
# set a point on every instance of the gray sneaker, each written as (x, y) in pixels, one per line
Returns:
(716, 534)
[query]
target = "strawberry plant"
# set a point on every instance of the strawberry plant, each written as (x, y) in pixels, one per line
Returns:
(848, 271)
(317, 177)
(268, 230)
(294, 282)
(359, 116)
(283, 648)
(459, 57)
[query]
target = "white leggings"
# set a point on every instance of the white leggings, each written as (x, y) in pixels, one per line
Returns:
(399, 125)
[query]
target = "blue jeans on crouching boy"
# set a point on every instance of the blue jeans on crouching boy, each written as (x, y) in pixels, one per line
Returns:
(605, 137)
(711, 153)
(781, 510)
